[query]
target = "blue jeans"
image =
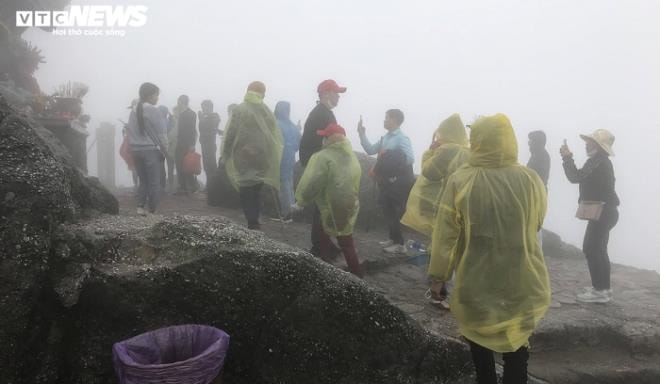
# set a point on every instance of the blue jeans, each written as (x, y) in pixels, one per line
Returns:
(148, 165)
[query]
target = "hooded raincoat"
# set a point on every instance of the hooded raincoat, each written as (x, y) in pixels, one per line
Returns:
(291, 135)
(332, 181)
(252, 148)
(486, 231)
(437, 165)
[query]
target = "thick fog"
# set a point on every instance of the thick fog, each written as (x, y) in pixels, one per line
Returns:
(562, 66)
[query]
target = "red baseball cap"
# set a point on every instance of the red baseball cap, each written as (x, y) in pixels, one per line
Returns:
(331, 129)
(330, 86)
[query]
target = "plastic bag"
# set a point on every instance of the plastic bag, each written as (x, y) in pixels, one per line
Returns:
(192, 163)
(191, 354)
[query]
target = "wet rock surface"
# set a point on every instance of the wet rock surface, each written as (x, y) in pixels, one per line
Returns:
(575, 343)
(291, 317)
(39, 189)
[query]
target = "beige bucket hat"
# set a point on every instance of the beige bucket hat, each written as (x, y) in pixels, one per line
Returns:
(604, 139)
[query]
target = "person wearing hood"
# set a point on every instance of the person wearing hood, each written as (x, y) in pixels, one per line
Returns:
(393, 173)
(310, 143)
(186, 137)
(209, 130)
(448, 152)
(598, 204)
(252, 151)
(147, 137)
(488, 216)
(331, 182)
(291, 135)
(539, 160)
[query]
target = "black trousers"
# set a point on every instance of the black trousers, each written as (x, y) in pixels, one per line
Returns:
(594, 247)
(251, 203)
(393, 209)
(515, 365)
(209, 159)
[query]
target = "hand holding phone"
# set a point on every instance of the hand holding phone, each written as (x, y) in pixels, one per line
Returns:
(361, 128)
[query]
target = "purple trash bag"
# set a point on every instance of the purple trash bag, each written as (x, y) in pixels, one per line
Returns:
(191, 354)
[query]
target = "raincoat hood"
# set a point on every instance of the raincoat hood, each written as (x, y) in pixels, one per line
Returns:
(493, 143)
(283, 111)
(254, 97)
(452, 130)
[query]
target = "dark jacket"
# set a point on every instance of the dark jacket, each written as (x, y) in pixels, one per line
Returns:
(310, 143)
(187, 129)
(540, 162)
(596, 179)
(208, 126)
(394, 176)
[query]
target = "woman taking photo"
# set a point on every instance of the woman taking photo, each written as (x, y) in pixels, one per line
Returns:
(147, 135)
(598, 204)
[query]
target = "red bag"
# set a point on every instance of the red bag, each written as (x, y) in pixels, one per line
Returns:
(192, 163)
(125, 154)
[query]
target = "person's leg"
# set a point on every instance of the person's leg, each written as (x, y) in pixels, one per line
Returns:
(324, 248)
(141, 171)
(287, 198)
(484, 364)
(589, 248)
(250, 203)
(392, 217)
(163, 174)
(399, 210)
(208, 157)
(153, 165)
(609, 220)
(256, 198)
(347, 245)
(181, 176)
(170, 172)
(515, 366)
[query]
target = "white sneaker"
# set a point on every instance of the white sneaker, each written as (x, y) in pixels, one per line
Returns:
(594, 296)
(609, 292)
(141, 211)
(395, 248)
(385, 243)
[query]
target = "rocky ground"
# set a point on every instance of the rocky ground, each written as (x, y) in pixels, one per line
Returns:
(575, 343)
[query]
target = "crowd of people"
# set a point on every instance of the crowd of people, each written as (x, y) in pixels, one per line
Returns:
(481, 210)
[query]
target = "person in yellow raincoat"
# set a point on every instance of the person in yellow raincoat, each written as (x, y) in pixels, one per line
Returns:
(486, 232)
(448, 152)
(252, 151)
(331, 181)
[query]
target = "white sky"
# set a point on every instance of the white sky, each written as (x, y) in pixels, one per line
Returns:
(566, 67)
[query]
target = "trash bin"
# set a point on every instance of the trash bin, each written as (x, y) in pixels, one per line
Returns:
(191, 354)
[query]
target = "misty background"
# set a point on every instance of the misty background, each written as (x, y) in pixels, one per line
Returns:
(565, 67)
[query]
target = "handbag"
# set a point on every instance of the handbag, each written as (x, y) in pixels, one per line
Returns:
(590, 210)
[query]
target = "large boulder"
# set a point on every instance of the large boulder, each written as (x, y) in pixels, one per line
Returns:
(39, 189)
(291, 317)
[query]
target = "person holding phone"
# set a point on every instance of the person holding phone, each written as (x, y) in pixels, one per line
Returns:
(393, 173)
(596, 182)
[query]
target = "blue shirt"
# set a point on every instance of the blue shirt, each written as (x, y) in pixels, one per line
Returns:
(391, 140)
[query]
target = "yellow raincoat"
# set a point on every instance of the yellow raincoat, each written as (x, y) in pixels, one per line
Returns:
(486, 231)
(332, 181)
(437, 165)
(253, 144)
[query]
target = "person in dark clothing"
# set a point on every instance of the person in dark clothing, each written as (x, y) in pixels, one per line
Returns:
(596, 180)
(209, 122)
(185, 143)
(393, 174)
(395, 178)
(540, 159)
(310, 143)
